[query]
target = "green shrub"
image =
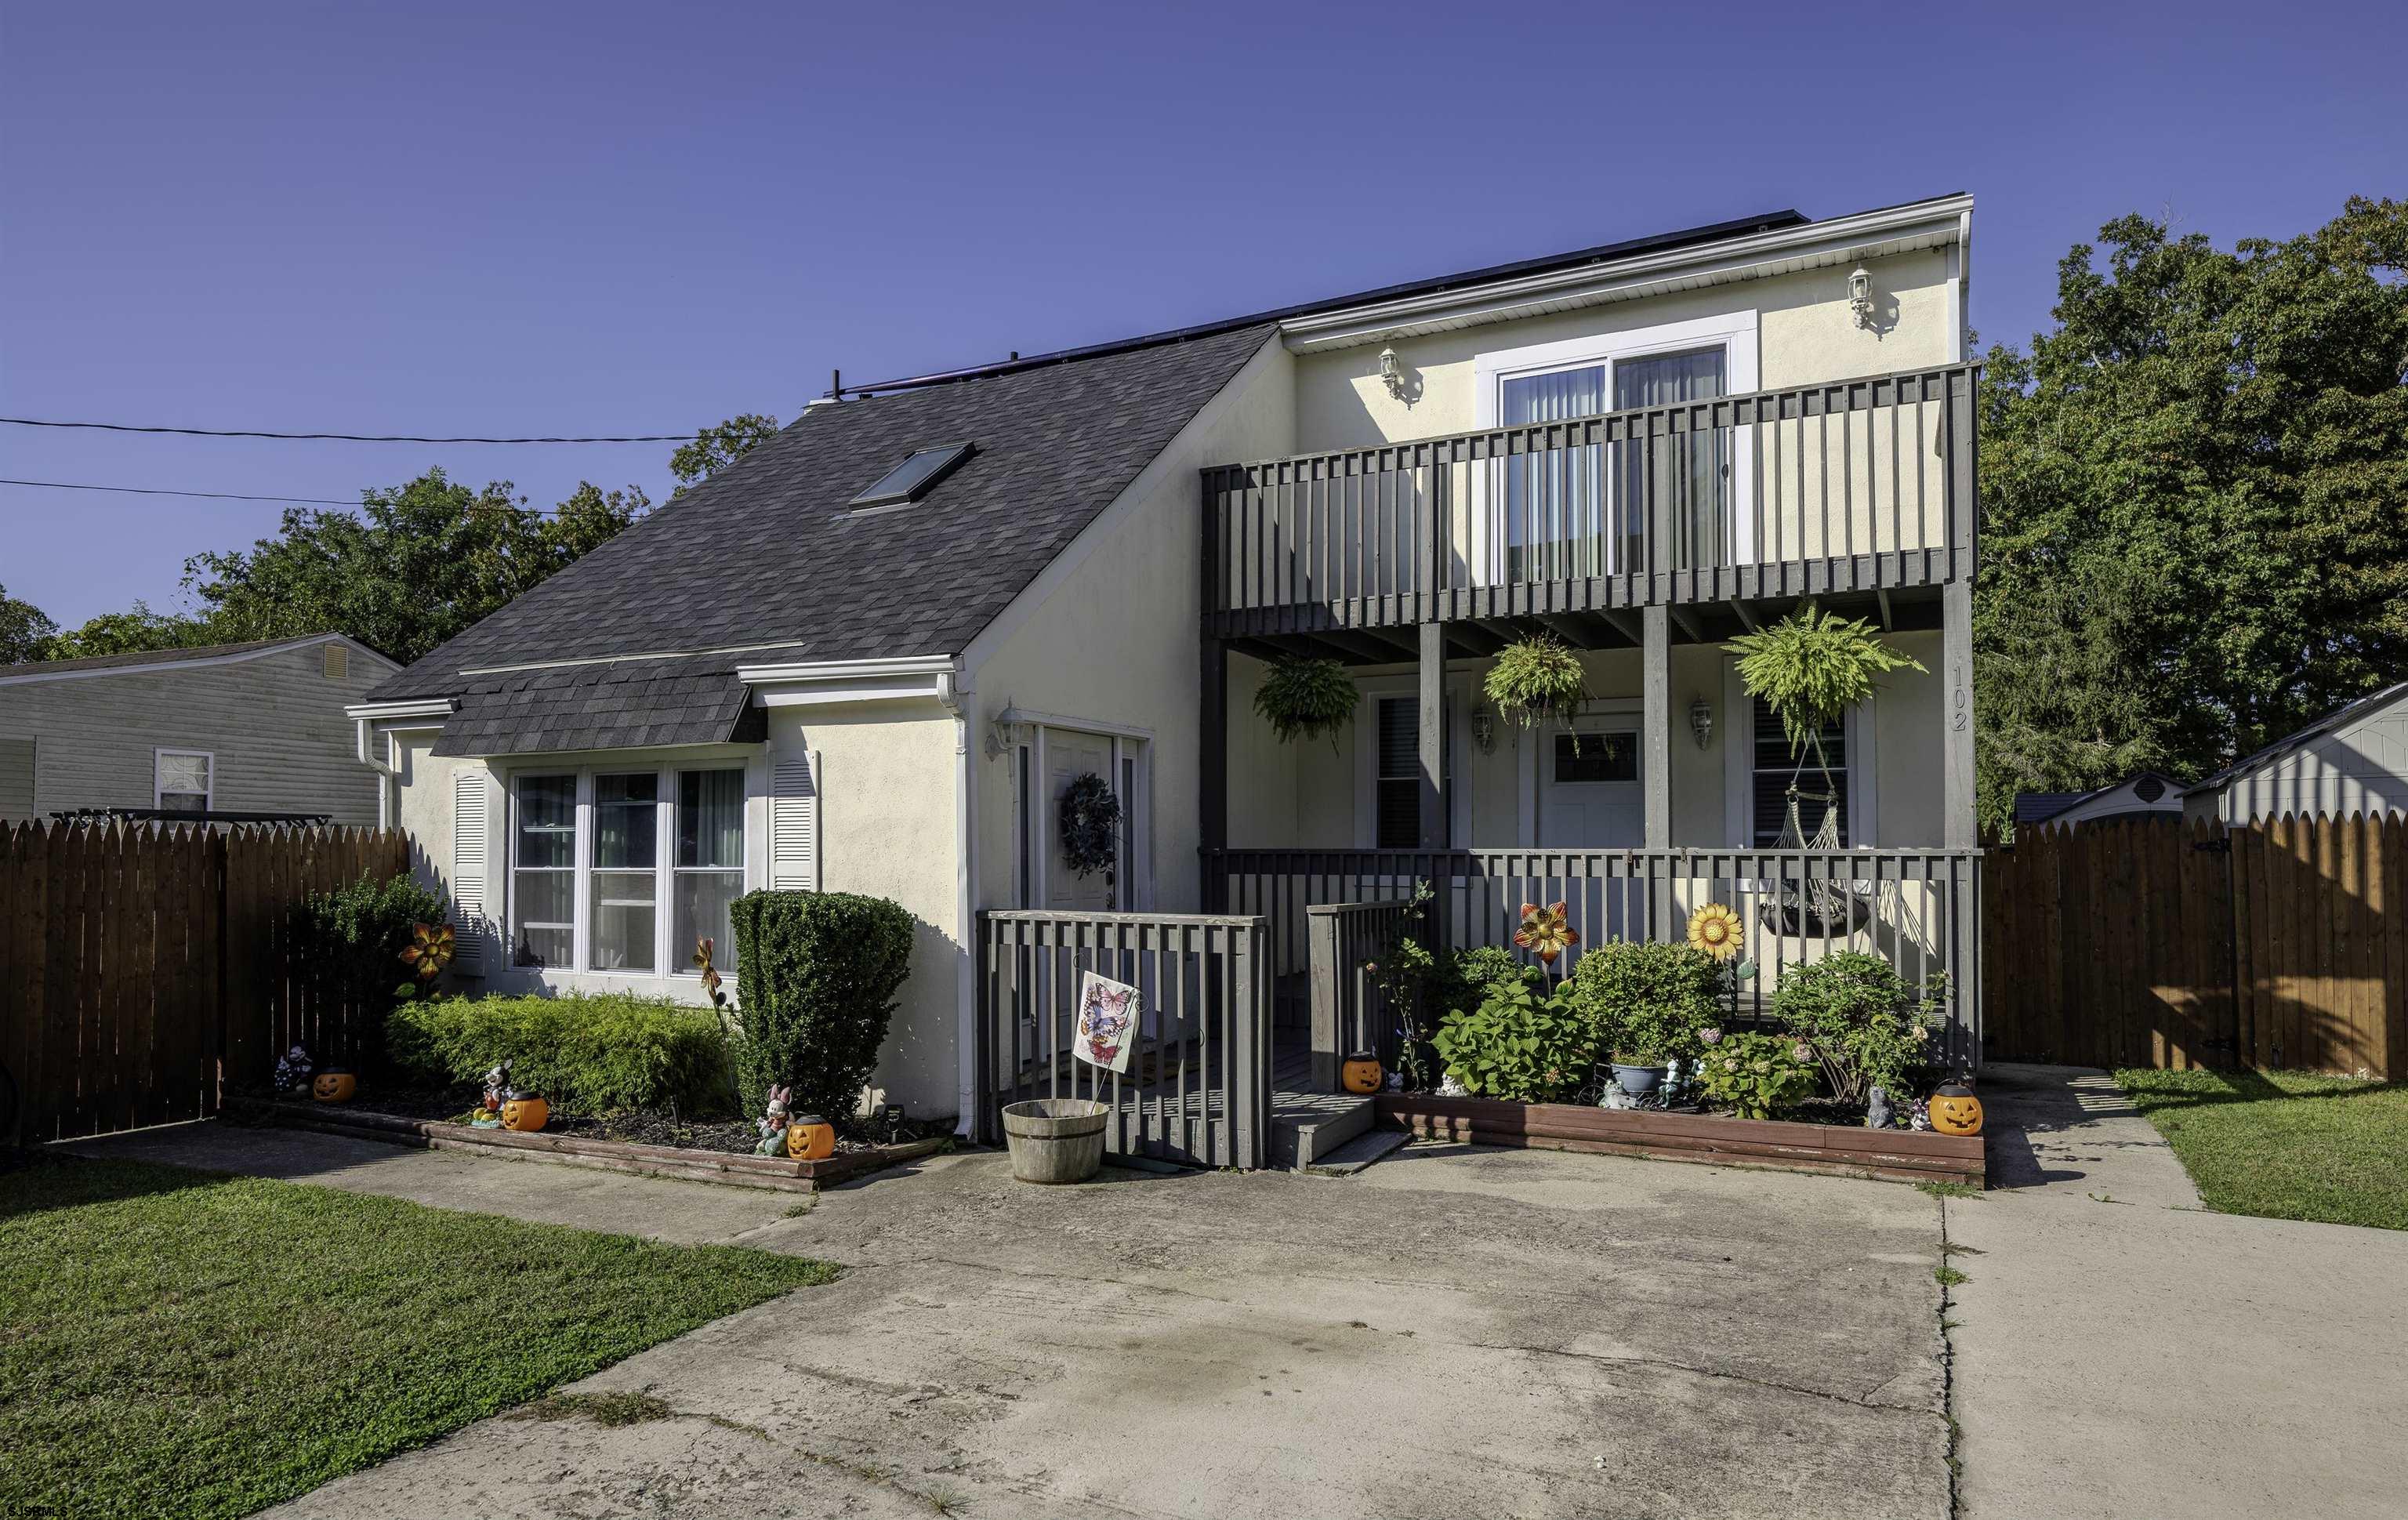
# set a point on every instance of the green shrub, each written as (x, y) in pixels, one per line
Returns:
(816, 974)
(1648, 1000)
(1752, 1075)
(346, 947)
(1865, 1024)
(1525, 1041)
(588, 1054)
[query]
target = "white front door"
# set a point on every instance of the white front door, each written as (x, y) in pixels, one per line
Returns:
(1070, 755)
(1589, 791)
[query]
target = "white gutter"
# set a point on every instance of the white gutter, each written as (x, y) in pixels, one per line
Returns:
(954, 692)
(364, 716)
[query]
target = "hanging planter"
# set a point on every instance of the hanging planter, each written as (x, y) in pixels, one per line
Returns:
(1306, 699)
(1091, 827)
(1536, 680)
(1811, 668)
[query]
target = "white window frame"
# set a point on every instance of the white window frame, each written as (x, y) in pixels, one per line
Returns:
(1735, 331)
(1860, 724)
(209, 792)
(668, 958)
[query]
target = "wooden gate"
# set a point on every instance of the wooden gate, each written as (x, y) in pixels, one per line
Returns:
(2155, 942)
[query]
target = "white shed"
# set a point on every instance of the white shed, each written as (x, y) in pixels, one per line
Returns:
(2354, 759)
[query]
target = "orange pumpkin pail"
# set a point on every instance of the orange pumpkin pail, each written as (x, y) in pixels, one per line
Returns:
(811, 1138)
(1955, 1111)
(1361, 1074)
(525, 1113)
(333, 1085)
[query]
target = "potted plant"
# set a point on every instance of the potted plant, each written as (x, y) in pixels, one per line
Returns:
(1302, 699)
(1537, 678)
(1648, 1003)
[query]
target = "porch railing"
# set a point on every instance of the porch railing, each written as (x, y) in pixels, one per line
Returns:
(1197, 1085)
(1858, 485)
(1919, 909)
(1350, 1013)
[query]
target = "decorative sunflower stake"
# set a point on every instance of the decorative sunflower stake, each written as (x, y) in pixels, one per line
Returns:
(1718, 931)
(1546, 932)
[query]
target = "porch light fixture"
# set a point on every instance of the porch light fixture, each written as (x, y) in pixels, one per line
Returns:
(1701, 721)
(1483, 730)
(1392, 373)
(1861, 295)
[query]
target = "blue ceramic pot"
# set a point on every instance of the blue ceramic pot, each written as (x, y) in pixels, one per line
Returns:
(1637, 1081)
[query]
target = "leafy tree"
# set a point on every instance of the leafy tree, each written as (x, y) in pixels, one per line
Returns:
(714, 449)
(416, 564)
(2196, 497)
(26, 630)
(129, 633)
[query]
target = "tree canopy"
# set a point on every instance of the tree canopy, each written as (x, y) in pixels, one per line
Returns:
(25, 631)
(714, 449)
(2196, 502)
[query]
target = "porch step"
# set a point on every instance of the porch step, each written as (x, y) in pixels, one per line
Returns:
(1308, 1127)
(1359, 1153)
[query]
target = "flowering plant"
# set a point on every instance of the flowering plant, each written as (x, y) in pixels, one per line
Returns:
(1755, 1074)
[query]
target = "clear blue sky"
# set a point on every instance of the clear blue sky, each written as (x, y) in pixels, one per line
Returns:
(620, 219)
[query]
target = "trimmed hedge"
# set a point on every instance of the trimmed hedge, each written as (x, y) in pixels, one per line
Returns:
(588, 1054)
(816, 978)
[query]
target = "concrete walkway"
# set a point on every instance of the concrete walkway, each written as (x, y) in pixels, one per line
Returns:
(1452, 1332)
(2119, 1352)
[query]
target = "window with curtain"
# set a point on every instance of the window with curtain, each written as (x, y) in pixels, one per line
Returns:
(1554, 501)
(709, 871)
(543, 871)
(626, 866)
(180, 780)
(1774, 767)
(1396, 805)
(1685, 478)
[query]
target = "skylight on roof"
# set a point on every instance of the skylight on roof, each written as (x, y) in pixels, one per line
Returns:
(913, 479)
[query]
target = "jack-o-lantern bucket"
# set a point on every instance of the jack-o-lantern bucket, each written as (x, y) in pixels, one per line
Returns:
(524, 1112)
(1361, 1074)
(1955, 1109)
(811, 1138)
(334, 1084)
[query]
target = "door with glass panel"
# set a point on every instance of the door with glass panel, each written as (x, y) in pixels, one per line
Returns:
(1581, 513)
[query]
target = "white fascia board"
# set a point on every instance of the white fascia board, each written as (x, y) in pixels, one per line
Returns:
(906, 677)
(164, 667)
(433, 707)
(1869, 234)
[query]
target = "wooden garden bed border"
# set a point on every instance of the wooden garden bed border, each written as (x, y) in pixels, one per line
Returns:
(1907, 1156)
(777, 1174)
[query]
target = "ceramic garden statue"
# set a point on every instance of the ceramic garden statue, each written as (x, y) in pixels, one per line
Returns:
(293, 1071)
(498, 1088)
(1877, 1110)
(773, 1123)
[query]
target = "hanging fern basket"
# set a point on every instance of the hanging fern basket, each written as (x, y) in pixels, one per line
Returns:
(1536, 680)
(1305, 699)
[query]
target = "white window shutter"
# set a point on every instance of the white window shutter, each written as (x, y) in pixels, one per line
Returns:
(470, 843)
(795, 824)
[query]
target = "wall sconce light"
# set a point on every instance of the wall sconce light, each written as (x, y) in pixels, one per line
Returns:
(1392, 373)
(1701, 721)
(1483, 730)
(1861, 295)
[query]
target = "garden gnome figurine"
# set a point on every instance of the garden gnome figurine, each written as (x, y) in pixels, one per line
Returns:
(773, 1124)
(1877, 1110)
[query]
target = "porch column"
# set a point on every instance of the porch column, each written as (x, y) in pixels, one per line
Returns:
(1656, 724)
(1957, 748)
(1432, 714)
(1212, 772)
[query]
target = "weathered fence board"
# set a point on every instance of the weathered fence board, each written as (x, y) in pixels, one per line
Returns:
(142, 968)
(2155, 942)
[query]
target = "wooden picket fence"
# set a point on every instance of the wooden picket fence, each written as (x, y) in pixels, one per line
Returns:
(144, 968)
(2157, 942)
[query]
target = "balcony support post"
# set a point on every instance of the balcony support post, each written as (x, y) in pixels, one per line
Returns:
(1656, 753)
(1432, 735)
(1957, 745)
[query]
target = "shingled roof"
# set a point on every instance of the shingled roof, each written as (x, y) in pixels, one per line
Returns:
(763, 563)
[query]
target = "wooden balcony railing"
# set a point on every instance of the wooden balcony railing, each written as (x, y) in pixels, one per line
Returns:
(1857, 485)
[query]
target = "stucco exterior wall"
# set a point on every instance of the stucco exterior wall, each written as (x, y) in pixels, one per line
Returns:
(1112, 639)
(273, 723)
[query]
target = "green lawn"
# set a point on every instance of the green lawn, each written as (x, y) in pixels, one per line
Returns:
(182, 1342)
(2285, 1145)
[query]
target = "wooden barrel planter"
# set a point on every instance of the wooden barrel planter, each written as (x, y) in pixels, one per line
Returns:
(1056, 1140)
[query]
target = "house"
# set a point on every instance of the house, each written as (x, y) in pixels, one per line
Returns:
(227, 729)
(2139, 795)
(874, 653)
(2353, 759)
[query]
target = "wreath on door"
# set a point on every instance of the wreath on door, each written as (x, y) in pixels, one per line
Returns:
(1091, 826)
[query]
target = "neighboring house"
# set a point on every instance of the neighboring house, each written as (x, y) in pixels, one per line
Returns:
(2353, 759)
(872, 654)
(251, 727)
(2136, 796)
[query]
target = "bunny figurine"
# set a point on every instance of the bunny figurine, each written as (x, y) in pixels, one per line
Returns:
(773, 1124)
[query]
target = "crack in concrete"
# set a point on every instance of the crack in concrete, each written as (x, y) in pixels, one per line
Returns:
(1665, 1364)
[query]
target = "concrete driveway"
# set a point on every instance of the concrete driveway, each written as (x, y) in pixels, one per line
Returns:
(1452, 1332)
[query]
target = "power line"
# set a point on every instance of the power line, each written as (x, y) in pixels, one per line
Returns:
(338, 438)
(236, 496)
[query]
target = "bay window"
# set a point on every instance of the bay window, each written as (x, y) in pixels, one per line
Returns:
(596, 856)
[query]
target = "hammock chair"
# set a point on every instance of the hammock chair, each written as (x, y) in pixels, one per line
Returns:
(1812, 908)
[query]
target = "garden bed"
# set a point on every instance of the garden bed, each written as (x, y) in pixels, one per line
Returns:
(691, 1164)
(1894, 1155)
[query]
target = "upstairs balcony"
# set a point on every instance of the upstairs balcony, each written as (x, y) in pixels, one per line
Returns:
(1859, 492)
